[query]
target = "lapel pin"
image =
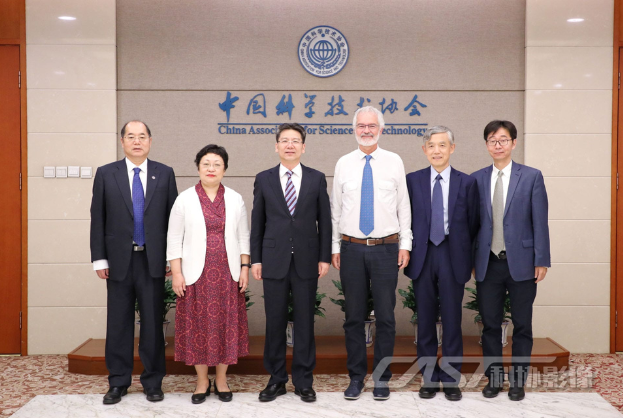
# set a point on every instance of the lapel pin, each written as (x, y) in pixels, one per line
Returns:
(153, 177)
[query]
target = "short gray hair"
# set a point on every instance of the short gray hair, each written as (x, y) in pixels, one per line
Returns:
(438, 129)
(370, 109)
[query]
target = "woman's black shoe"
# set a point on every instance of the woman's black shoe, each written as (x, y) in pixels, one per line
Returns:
(201, 397)
(223, 396)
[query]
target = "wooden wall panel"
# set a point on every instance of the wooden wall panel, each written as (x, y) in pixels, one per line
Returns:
(10, 13)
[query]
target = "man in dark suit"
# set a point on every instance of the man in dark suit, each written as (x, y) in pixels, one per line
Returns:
(132, 199)
(444, 202)
(290, 251)
(512, 254)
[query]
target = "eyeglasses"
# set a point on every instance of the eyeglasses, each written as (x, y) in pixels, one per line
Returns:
(132, 138)
(492, 142)
(215, 165)
(372, 127)
(290, 141)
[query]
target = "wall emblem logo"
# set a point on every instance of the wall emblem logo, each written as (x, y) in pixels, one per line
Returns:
(323, 51)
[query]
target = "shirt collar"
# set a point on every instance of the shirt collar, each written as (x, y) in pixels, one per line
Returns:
(375, 154)
(298, 171)
(131, 165)
(445, 174)
(506, 170)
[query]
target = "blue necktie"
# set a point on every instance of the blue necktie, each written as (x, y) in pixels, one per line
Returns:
(366, 213)
(138, 204)
(437, 230)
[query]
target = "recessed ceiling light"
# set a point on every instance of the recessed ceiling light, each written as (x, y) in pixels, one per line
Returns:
(575, 20)
(67, 18)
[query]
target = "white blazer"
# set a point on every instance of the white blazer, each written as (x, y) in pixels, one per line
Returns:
(186, 238)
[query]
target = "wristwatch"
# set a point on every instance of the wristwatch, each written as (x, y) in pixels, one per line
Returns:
(245, 265)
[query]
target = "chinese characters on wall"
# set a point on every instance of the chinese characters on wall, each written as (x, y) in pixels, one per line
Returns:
(317, 111)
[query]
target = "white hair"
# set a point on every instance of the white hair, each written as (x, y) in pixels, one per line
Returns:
(370, 109)
(438, 129)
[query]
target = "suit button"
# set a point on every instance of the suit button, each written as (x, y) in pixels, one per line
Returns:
(290, 239)
(489, 244)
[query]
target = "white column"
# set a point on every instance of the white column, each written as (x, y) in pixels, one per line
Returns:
(72, 120)
(568, 123)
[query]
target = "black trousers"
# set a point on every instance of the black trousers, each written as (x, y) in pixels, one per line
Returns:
(364, 269)
(149, 291)
(276, 307)
(491, 293)
(436, 290)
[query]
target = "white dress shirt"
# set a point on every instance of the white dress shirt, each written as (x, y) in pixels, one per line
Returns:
(506, 179)
(392, 210)
(103, 264)
(297, 175)
(445, 191)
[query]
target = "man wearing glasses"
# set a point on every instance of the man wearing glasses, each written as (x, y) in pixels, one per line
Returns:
(132, 200)
(290, 251)
(512, 255)
(371, 241)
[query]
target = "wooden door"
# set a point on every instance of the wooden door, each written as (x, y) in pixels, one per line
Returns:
(10, 202)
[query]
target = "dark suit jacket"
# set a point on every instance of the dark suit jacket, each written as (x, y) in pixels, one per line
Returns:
(274, 232)
(462, 221)
(112, 217)
(526, 232)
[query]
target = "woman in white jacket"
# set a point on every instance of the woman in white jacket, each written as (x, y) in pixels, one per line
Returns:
(208, 248)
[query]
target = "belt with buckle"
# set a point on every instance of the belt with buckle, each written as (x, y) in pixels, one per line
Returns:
(391, 239)
(138, 247)
(501, 255)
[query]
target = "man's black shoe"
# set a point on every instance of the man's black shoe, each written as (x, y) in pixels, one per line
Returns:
(428, 392)
(306, 394)
(114, 394)
(491, 391)
(154, 394)
(353, 391)
(271, 392)
(453, 393)
(516, 393)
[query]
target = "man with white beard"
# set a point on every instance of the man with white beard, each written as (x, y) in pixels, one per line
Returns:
(371, 218)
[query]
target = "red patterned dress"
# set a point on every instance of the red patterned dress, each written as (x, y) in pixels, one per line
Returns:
(211, 319)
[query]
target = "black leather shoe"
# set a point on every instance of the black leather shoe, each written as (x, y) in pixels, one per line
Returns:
(271, 392)
(452, 393)
(306, 394)
(428, 392)
(491, 391)
(154, 394)
(516, 393)
(114, 394)
(223, 396)
(198, 398)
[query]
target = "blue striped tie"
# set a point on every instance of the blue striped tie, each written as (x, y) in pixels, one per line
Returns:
(138, 204)
(366, 212)
(290, 194)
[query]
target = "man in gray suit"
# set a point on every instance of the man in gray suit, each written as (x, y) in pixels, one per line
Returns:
(512, 254)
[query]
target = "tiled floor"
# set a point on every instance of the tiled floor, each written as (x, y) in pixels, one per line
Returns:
(329, 404)
(22, 378)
